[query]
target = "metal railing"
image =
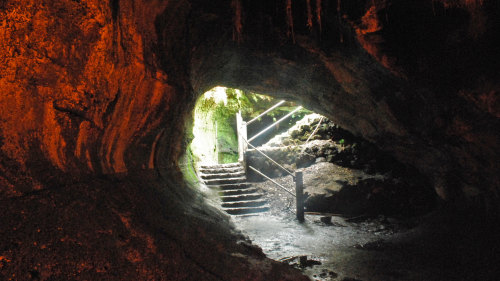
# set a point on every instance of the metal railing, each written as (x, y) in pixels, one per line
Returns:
(274, 124)
(266, 112)
(270, 159)
(273, 181)
(243, 144)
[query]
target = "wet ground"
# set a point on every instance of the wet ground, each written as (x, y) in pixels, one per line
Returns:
(442, 245)
(335, 250)
(426, 248)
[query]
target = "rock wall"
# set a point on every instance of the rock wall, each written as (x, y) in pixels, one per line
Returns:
(418, 78)
(104, 88)
(95, 97)
(82, 89)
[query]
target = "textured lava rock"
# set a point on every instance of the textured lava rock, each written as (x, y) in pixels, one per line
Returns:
(93, 88)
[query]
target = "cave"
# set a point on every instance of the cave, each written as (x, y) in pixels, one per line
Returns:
(97, 97)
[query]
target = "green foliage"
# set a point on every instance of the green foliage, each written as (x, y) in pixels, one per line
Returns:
(235, 100)
(220, 105)
(227, 142)
(250, 104)
(228, 158)
(205, 105)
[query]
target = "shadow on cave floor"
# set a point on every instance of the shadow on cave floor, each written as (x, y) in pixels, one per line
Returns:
(438, 245)
(432, 247)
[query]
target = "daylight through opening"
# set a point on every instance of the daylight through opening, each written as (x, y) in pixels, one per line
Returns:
(276, 167)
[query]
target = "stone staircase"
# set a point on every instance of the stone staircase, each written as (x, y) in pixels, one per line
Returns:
(238, 197)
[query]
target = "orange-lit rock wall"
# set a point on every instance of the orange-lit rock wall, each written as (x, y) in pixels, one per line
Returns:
(80, 87)
(94, 97)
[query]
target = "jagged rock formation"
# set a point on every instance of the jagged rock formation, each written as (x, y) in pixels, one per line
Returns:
(96, 91)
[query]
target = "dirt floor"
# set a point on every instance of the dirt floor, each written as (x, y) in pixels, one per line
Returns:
(425, 248)
(436, 246)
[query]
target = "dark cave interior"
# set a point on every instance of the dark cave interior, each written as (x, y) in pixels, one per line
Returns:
(97, 97)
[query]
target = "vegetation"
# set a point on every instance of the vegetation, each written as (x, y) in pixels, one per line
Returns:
(215, 123)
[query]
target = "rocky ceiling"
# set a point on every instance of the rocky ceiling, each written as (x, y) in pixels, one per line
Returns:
(96, 96)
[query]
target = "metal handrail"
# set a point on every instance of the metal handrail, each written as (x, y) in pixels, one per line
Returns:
(277, 122)
(297, 177)
(270, 159)
(262, 174)
(265, 112)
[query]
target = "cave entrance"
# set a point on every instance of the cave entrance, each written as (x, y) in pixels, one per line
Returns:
(215, 132)
(343, 173)
(355, 193)
(226, 160)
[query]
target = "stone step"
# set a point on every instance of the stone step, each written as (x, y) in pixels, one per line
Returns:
(222, 175)
(247, 215)
(244, 211)
(242, 197)
(238, 197)
(237, 191)
(221, 170)
(240, 204)
(219, 182)
(218, 166)
(231, 186)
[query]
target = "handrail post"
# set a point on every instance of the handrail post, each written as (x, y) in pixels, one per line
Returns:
(299, 195)
(244, 136)
(241, 127)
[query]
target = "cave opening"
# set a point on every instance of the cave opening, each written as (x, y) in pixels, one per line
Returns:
(356, 195)
(214, 130)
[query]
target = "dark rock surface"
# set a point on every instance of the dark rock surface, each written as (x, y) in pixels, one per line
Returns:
(343, 174)
(373, 69)
(331, 188)
(116, 230)
(105, 88)
(317, 139)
